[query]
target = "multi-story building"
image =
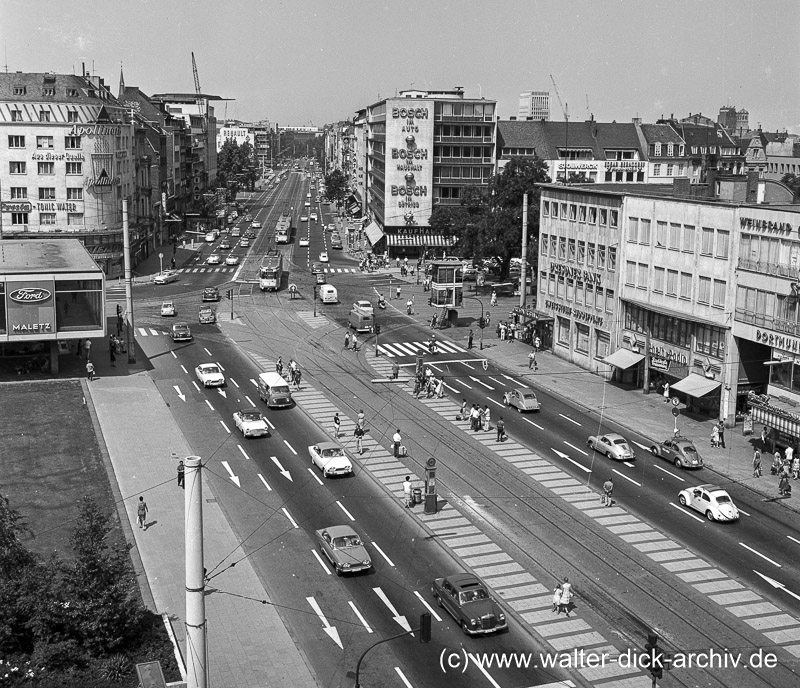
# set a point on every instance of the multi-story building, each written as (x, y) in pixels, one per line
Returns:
(422, 149)
(783, 157)
(735, 122)
(66, 162)
(708, 147)
(534, 105)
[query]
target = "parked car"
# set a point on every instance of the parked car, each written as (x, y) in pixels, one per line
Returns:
(206, 315)
(344, 549)
(168, 309)
(711, 501)
(232, 260)
(522, 399)
(180, 332)
(164, 277)
(614, 446)
(678, 450)
(330, 458)
(214, 259)
(209, 375)
(210, 294)
(467, 600)
(251, 423)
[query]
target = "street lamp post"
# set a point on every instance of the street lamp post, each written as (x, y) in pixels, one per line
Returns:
(315, 300)
(161, 262)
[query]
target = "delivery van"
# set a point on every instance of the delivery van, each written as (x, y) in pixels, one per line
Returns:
(361, 321)
(328, 294)
(274, 390)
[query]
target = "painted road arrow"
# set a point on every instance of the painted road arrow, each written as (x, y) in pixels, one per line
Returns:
(566, 456)
(180, 394)
(776, 584)
(222, 392)
(333, 634)
(397, 617)
(284, 473)
(234, 478)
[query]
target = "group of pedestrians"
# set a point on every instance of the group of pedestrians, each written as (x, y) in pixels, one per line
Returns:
(290, 373)
(351, 342)
(562, 597)
(480, 418)
(426, 382)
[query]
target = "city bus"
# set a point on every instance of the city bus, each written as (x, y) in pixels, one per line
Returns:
(271, 271)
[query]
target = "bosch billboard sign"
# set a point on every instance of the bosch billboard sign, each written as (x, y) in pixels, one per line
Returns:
(30, 295)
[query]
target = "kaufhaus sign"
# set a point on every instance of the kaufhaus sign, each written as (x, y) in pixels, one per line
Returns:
(30, 310)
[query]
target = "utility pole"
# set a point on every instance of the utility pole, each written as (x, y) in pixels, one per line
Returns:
(196, 642)
(126, 253)
(523, 291)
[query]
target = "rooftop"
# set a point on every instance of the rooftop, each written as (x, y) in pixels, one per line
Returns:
(34, 256)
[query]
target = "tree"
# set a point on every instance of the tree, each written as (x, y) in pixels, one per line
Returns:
(236, 167)
(336, 186)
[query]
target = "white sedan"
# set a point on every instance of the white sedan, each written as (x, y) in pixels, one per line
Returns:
(232, 260)
(214, 259)
(251, 423)
(256, 224)
(168, 309)
(165, 277)
(304, 241)
(330, 458)
(323, 257)
(304, 218)
(209, 375)
(712, 501)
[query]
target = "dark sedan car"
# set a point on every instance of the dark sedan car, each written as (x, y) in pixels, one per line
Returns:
(210, 294)
(679, 451)
(467, 600)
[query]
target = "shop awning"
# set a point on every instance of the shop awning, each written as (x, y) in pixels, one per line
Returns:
(695, 385)
(623, 358)
(427, 240)
(374, 232)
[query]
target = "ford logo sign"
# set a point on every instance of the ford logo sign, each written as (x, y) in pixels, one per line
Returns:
(30, 295)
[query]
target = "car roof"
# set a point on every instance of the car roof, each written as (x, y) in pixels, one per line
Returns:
(329, 445)
(614, 436)
(464, 580)
(180, 324)
(524, 390)
(248, 410)
(338, 531)
(708, 487)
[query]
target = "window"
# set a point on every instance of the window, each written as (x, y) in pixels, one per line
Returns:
(16, 116)
(75, 218)
(16, 167)
(581, 252)
(643, 274)
(563, 331)
(47, 193)
(656, 170)
(46, 168)
(545, 208)
(592, 215)
(723, 243)
(601, 257)
(688, 238)
(570, 289)
(589, 295)
(658, 280)
(590, 253)
(72, 142)
(630, 273)
(75, 193)
(554, 210)
(661, 234)
(44, 141)
(18, 192)
(19, 218)
(552, 247)
(602, 343)
(598, 298)
(603, 216)
(16, 142)
(710, 340)
(551, 285)
(707, 245)
(644, 232)
(704, 290)
(613, 219)
(581, 213)
(19, 90)
(657, 149)
(582, 338)
(579, 292)
(72, 115)
(44, 115)
(48, 91)
(633, 230)
(562, 248)
(562, 211)
(672, 282)
(719, 293)
(74, 168)
(612, 259)
(47, 218)
(573, 212)
(674, 236)
(543, 282)
(544, 244)
(571, 250)
(560, 287)
(686, 285)
(72, 92)
(610, 300)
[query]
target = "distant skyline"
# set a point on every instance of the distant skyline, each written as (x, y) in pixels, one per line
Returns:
(316, 62)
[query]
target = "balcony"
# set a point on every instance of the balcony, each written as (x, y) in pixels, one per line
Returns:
(775, 324)
(469, 140)
(771, 269)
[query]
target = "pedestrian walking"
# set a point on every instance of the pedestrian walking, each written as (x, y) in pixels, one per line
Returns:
(181, 474)
(469, 339)
(537, 343)
(141, 513)
(666, 392)
(784, 486)
(398, 290)
(359, 435)
(440, 388)
(297, 377)
(409, 307)
(721, 427)
(494, 298)
(87, 347)
(89, 371)
(566, 597)
(789, 454)
(395, 370)
(532, 360)
(556, 597)
(336, 425)
(463, 412)
(757, 464)
(796, 468)
(354, 341)
(279, 366)
(501, 429)
(486, 419)
(608, 489)
(361, 419)
(172, 262)
(715, 436)
(764, 437)
(346, 340)
(407, 492)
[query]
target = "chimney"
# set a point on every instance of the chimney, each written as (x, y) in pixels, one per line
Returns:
(752, 186)
(637, 121)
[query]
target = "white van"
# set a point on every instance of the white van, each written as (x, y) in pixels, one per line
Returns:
(328, 294)
(274, 390)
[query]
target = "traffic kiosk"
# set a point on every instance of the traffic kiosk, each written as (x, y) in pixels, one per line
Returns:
(447, 290)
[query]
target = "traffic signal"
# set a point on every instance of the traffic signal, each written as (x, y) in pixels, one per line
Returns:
(481, 322)
(425, 628)
(654, 657)
(229, 293)
(377, 328)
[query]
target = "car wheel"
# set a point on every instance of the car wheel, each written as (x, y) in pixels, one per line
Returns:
(653, 450)
(678, 463)
(438, 600)
(464, 627)
(709, 515)
(338, 571)
(519, 410)
(682, 500)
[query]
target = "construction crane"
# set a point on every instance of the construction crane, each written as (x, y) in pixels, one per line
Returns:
(564, 106)
(201, 103)
(565, 109)
(588, 111)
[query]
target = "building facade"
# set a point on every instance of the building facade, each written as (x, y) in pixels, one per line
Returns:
(534, 105)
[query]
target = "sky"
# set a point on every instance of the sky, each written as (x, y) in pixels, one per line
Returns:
(304, 62)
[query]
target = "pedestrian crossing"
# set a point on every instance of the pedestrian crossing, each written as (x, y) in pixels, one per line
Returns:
(396, 349)
(331, 270)
(115, 292)
(221, 268)
(313, 321)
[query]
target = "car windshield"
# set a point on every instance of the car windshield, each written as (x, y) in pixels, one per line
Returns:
(472, 595)
(530, 395)
(620, 441)
(346, 541)
(280, 389)
(250, 415)
(722, 498)
(331, 452)
(167, 304)
(210, 369)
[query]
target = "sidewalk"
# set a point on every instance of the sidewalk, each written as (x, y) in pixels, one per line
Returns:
(642, 413)
(248, 644)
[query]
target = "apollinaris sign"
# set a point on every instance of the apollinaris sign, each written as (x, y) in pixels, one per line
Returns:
(30, 309)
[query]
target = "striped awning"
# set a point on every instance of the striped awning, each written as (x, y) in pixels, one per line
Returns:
(425, 239)
(373, 232)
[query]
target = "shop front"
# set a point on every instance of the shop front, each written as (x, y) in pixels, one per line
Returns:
(416, 242)
(534, 324)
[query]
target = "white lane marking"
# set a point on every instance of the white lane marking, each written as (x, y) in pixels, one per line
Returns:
(464, 384)
(291, 448)
(436, 368)
(494, 401)
(294, 524)
(209, 404)
(383, 554)
(480, 666)
(196, 386)
(249, 400)
(464, 363)
(643, 446)
(452, 389)
(359, 615)
(683, 511)
(272, 427)
(628, 464)
(315, 476)
(795, 540)
(763, 556)
(227, 429)
(626, 477)
(263, 480)
(403, 677)
(743, 512)
(532, 423)
(509, 378)
(233, 381)
(324, 566)
(219, 365)
(207, 351)
(571, 460)
(184, 369)
(664, 470)
(429, 608)
(570, 419)
(580, 451)
(155, 333)
(349, 515)
(255, 384)
(493, 379)
(475, 379)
